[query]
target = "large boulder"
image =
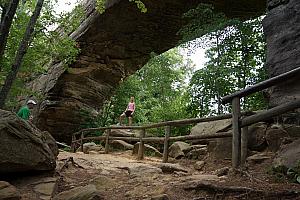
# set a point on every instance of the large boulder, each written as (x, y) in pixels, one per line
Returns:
(257, 136)
(23, 146)
(8, 192)
(289, 155)
(91, 146)
(221, 147)
(177, 149)
(120, 144)
(212, 127)
(122, 133)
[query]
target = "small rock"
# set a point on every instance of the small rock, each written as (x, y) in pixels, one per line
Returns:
(93, 152)
(143, 170)
(45, 187)
(180, 173)
(222, 172)
(176, 150)
(199, 165)
(170, 168)
(90, 146)
(8, 191)
(196, 154)
(88, 192)
(161, 197)
(202, 177)
(258, 158)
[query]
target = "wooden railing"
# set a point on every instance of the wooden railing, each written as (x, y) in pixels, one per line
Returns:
(240, 125)
(142, 138)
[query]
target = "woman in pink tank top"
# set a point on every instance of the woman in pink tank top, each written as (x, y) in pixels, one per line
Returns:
(128, 112)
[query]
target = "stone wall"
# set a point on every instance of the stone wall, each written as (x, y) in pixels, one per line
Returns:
(282, 30)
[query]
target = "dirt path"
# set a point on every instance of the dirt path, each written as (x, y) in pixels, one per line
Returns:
(121, 176)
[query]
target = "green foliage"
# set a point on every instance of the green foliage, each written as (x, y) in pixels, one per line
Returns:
(203, 24)
(100, 5)
(48, 45)
(91, 120)
(68, 149)
(281, 173)
(159, 91)
(235, 62)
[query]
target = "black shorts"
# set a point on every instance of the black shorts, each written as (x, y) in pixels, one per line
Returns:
(128, 113)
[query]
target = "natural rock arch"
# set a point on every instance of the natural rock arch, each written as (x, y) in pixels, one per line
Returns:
(114, 45)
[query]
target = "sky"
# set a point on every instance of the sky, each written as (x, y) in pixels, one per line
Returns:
(198, 57)
(65, 5)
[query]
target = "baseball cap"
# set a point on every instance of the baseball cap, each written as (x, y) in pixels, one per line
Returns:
(31, 101)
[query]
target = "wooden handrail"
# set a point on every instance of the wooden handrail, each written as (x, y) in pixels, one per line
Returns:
(262, 85)
(167, 123)
(161, 139)
(268, 114)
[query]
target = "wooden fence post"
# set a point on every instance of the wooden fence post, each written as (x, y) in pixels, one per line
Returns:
(81, 142)
(236, 136)
(166, 144)
(244, 145)
(107, 141)
(73, 144)
(141, 151)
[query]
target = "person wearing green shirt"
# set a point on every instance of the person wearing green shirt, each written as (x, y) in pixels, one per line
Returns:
(24, 112)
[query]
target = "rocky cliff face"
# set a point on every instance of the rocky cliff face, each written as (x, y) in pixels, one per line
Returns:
(282, 30)
(113, 46)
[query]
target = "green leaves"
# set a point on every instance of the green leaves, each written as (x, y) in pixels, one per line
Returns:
(140, 5)
(100, 5)
(159, 89)
(49, 44)
(236, 60)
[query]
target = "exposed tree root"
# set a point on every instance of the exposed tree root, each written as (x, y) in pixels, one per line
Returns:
(243, 192)
(67, 161)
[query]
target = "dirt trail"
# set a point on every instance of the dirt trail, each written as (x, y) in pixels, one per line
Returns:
(121, 176)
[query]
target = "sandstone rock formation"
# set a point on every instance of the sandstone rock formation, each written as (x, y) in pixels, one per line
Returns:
(23, 147)
(282, 27)
(8, 192)
(113, 46)
(176, 150)
(88, 192)
(91, 146)
(219, 148)
(289, 155)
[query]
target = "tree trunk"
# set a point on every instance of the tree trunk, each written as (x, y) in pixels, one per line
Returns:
(7, 16)
(3, 12)
(20, 54)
